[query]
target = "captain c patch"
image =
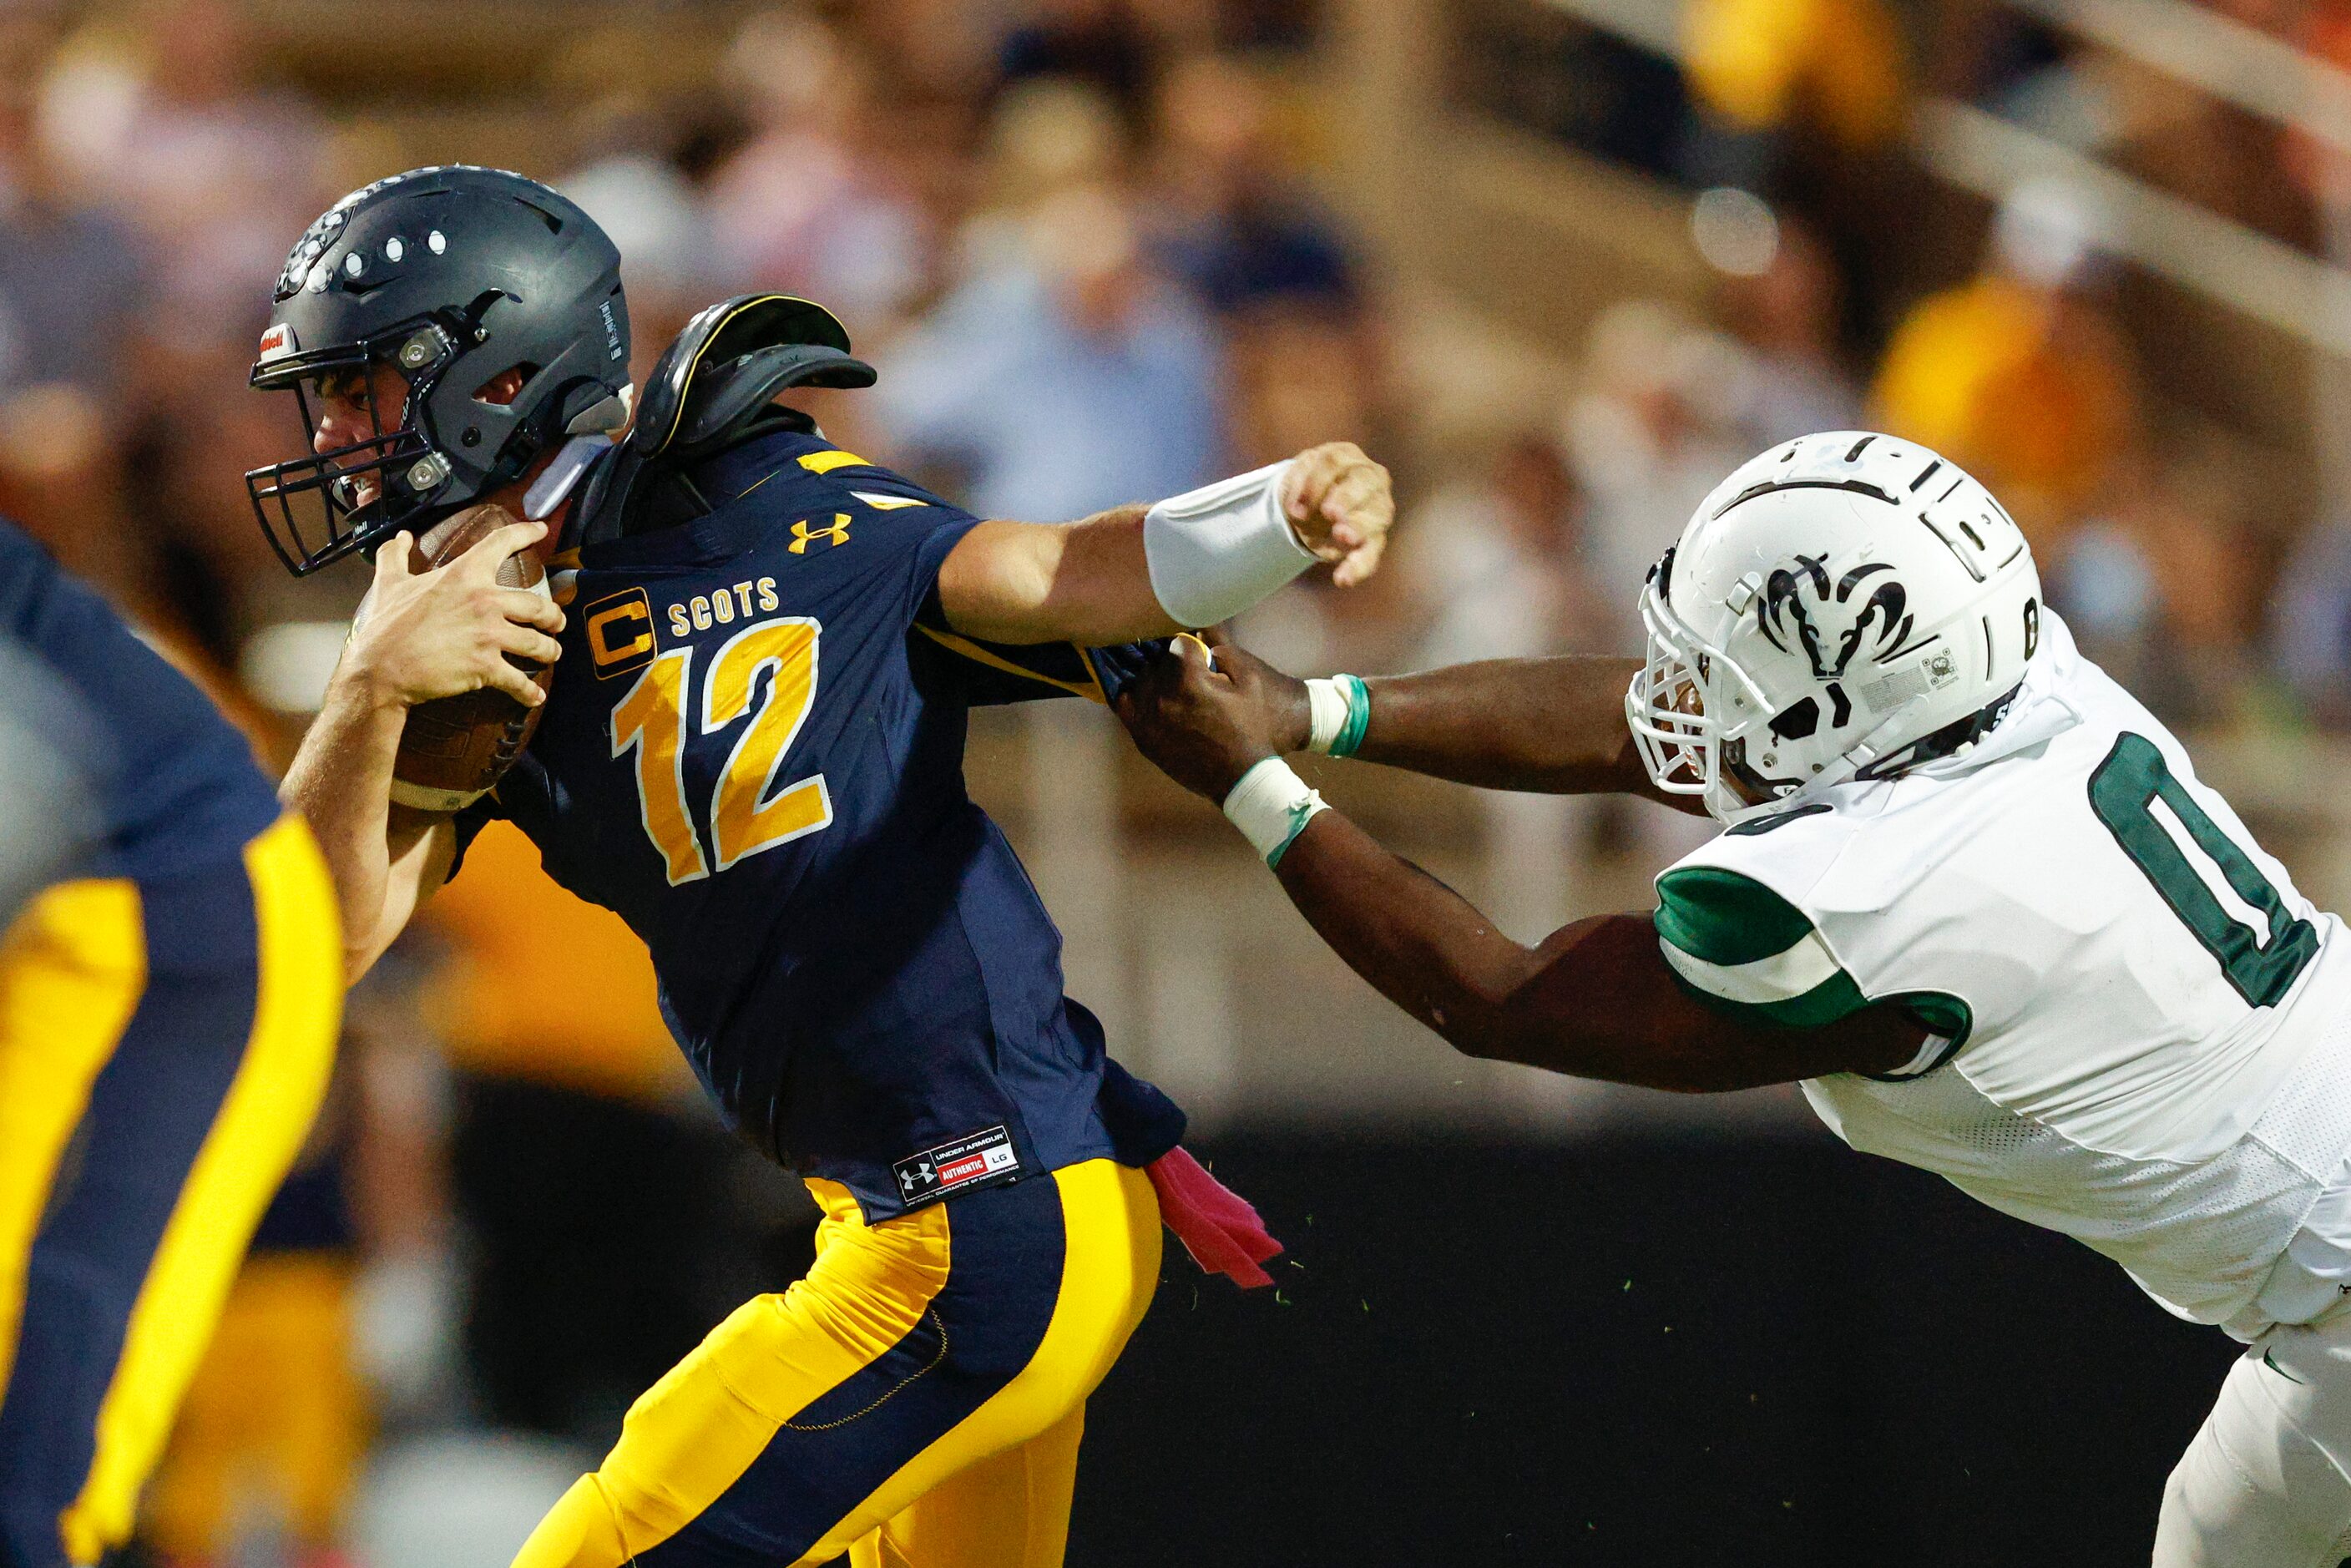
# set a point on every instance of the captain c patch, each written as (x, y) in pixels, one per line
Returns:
(619, 628)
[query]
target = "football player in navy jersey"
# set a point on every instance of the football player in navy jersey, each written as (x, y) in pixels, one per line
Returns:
(169, 1001)
(752, 750)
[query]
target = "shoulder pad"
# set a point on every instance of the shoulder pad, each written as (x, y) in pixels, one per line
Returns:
(709, 386)
(730, 360)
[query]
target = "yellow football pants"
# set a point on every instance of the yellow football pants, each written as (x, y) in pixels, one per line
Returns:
(915, 1401)
(164, 1047)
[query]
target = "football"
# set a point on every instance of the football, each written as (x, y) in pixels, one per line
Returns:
(453, 749)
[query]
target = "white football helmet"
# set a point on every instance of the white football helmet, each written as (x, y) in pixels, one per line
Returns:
(1845, 605)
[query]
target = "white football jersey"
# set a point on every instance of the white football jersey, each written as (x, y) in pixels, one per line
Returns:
(2143, 1031)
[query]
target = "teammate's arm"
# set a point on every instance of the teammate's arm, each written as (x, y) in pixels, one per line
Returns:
(1146, 572)
(1595, 998)
(426, 634)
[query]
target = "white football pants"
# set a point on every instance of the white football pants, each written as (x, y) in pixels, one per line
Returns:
(2267, 1482)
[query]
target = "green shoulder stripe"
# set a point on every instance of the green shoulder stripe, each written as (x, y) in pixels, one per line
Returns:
(1725, 918)
(1748, 952)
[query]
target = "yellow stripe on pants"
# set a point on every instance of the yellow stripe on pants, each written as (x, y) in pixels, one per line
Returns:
(694, 1433)
(261, 1127)
(993, 1492)
(1011, 1508)
(72, 967)
(1009, 1511)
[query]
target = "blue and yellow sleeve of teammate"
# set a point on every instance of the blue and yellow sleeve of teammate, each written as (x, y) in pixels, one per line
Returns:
(168, 1015)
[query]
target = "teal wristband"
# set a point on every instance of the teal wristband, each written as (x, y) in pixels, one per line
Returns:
(1359, 715)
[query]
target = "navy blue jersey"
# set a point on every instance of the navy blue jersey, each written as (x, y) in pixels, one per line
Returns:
(175, 786)
(753, 753)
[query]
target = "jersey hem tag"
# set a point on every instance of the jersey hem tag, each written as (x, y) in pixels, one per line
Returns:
(975, 1160)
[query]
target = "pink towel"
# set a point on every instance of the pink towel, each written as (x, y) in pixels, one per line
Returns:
(1217, 1225)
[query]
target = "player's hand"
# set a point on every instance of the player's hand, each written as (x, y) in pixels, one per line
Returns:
(1204, 727)
(1341, 506)
(422, 634)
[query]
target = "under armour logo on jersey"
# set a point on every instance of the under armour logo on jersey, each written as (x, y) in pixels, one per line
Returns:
(803, 534)
(976, 1159)
(1800, 605)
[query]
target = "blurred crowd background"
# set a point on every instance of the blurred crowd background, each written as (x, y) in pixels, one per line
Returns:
(1561, 264)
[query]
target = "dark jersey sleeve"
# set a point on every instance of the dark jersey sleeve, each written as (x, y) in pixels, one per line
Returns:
(934, 527)
(982, 674)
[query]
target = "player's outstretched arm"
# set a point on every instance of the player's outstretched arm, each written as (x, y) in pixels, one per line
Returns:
(1192, 561)
(423, 635)
(1547, 726)
(1595, 998)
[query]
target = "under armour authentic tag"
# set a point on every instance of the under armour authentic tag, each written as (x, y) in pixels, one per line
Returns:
(968, 1161)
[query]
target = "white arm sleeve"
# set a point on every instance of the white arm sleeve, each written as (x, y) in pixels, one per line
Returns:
(1214, 552)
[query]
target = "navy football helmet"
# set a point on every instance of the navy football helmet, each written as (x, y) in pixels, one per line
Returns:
(451, 277)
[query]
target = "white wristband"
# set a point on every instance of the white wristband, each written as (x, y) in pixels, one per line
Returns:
(1214, 552)
(1326, 713)
(1272, 805)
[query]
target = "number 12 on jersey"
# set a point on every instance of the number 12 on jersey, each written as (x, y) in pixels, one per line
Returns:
(652, 720)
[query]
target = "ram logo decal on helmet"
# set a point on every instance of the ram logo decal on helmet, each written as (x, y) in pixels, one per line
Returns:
(1782, 615)
(1818, 627)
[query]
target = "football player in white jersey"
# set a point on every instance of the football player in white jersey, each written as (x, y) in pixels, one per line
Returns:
(1967, 890)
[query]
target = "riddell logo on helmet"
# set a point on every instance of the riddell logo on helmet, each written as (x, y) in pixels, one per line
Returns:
(1798, 605)
(276, 343)
(613, 349)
